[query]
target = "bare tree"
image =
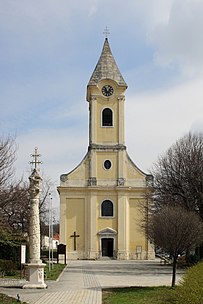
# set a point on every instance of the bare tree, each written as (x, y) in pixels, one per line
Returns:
(178, 174)
(15, 205)
(14, 196)
(7, 158)
(175, 230)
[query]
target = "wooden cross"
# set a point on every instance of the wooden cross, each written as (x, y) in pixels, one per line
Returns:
(74, 235)
(35, 160)
(106, 32)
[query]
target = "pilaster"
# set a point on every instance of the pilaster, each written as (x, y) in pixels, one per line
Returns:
(63, 215)
(121, 136)
(92, 168)
(123, 227)
(92, 120)
(92, 236)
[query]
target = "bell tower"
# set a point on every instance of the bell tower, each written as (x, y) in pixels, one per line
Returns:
(106, 96)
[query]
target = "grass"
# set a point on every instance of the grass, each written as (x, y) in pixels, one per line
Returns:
(54, 272)
(16, 275)
(138, 295)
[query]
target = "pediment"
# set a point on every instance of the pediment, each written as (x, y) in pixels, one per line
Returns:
(108, 231)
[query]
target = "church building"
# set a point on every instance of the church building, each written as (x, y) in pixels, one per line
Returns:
(100, 199)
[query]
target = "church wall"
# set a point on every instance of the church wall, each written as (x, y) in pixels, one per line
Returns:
(138, 243)
(107, 222)
(132, 171)
(78, 176)
(75, 210)
(134, 178)
(103, 173)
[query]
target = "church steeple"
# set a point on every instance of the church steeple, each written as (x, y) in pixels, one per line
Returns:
(106, 68)
(106, 95)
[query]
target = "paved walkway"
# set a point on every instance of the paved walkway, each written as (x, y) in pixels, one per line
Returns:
(82, 281)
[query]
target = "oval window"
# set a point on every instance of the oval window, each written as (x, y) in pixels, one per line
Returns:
(107, 164)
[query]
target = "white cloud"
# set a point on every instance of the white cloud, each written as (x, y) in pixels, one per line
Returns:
(180, 41)
(93, 7)
(155, 120)
(60, 150)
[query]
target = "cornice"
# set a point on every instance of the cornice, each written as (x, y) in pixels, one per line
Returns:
(117, 147)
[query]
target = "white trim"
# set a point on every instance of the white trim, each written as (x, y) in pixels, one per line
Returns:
(110, 235)
(107, 231)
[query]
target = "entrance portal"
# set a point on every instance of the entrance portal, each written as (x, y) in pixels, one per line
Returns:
(107, 247)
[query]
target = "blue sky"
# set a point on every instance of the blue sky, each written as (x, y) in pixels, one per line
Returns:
(49, 49)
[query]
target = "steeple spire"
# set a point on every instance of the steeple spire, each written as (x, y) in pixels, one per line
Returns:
(106, 68)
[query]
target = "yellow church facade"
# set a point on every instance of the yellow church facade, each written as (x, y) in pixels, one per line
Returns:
(100, 199)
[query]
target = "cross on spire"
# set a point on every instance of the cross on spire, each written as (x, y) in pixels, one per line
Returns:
(35, 160)
(106, 32)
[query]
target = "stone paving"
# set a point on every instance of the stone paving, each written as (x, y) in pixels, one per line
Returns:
(82, 281)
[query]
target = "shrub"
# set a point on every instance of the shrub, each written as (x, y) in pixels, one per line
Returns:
(190, 290)
(7, 267)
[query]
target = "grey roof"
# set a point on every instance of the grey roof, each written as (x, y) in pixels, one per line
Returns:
(106, 68)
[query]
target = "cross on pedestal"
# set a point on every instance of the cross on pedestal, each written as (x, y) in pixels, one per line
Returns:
(35, 157)
(74, 235)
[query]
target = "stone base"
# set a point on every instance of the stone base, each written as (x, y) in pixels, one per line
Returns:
(29, 285)
(35, 276)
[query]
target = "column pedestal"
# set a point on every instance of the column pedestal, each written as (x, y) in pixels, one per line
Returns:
(35, 275)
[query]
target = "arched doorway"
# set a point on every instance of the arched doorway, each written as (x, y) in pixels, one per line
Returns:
(107, 246)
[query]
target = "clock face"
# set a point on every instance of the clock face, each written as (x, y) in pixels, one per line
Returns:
(107, 90)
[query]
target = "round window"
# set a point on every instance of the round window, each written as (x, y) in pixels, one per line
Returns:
(107, 164)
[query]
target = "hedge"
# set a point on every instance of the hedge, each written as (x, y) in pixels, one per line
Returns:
(190, 290)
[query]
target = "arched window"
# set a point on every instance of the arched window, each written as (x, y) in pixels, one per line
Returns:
(107, 117)
(107, 208)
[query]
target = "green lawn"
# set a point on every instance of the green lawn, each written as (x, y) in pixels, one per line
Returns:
(54, 272)
(138, 295)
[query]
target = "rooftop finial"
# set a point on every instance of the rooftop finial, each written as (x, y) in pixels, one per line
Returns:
(35, 160)
(106, 32)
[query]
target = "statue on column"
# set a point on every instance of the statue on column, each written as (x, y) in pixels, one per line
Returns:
(35, 267)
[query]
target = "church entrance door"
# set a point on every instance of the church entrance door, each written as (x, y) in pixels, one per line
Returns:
(107, 247)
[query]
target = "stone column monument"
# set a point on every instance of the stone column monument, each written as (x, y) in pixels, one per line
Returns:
(35, 267)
